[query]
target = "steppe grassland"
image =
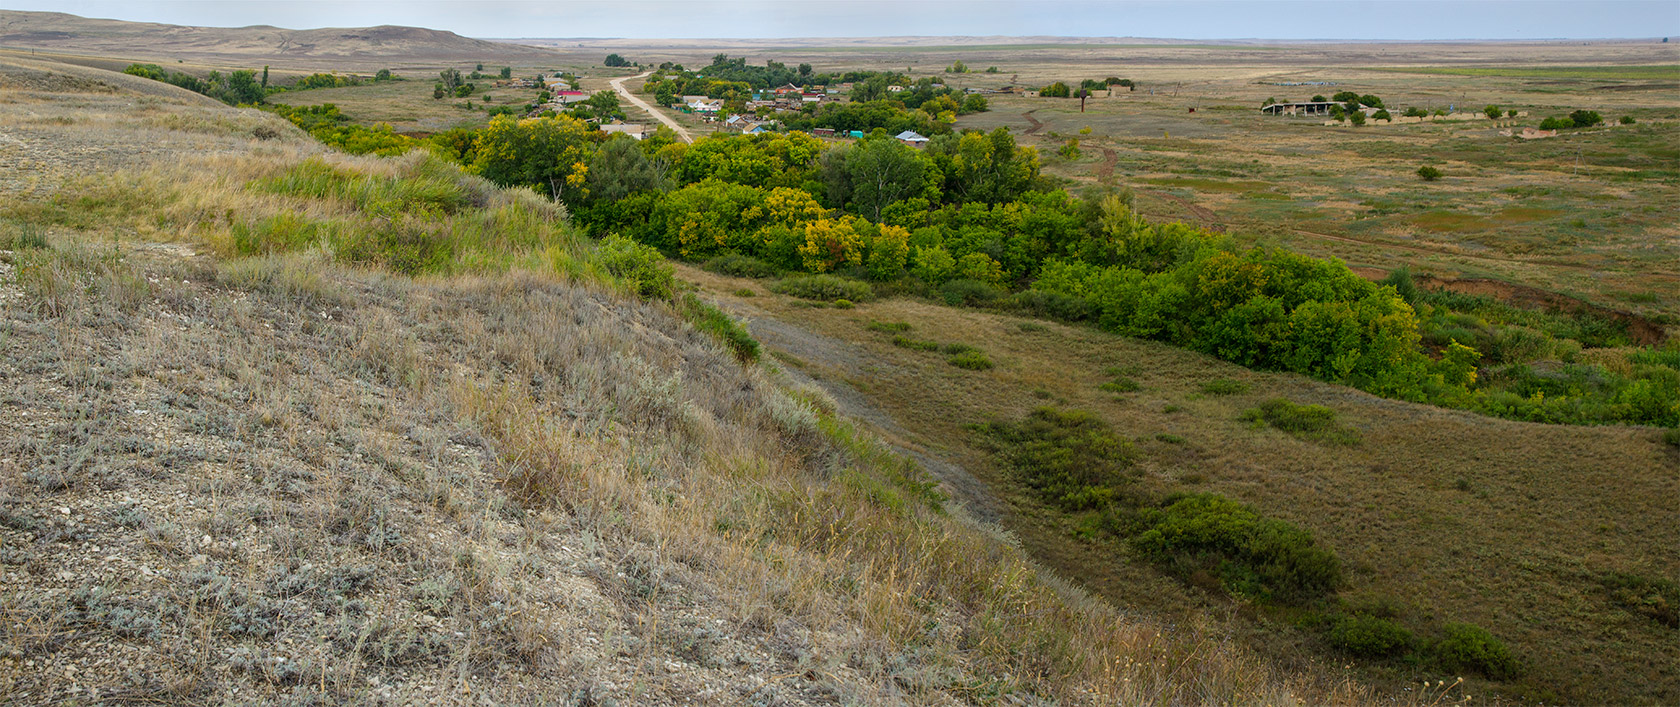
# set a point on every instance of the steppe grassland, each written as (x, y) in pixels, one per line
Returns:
(512, 478)
(1440, 515)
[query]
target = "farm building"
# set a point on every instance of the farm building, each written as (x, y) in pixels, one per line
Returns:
(632, 129)
(911, 138)
(1299, 108)
(823, 132)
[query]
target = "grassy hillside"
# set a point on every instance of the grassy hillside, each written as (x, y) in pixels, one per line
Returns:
(289, 426)
(1553, 538)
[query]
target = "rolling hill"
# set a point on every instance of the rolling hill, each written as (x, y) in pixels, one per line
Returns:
(65, 33)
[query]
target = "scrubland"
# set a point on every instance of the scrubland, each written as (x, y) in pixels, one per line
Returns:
(285, 426)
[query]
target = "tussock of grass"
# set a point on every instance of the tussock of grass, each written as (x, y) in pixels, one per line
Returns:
(1224, 386)
(1314, 422)
(971, 360)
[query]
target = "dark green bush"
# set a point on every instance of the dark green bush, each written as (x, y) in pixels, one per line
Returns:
(1224, 386)
(1370, 636)
(1310, 421)
(971, 293)
(1120, 384)
(970, 360)
(906, 342)
(1068, 457)
(1671, 436)
(1253, 556)
(738, 265)
(641, 268)
(715, 322)
(1471, 648)
(1052, 305)
(1428, 173)
(888, 327)
(826, 288)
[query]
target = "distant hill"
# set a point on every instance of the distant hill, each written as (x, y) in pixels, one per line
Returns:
(60, 32)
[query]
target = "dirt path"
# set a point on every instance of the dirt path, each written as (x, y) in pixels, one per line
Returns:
(618, 85)
(828, 363)
(1111, 159)
(1036, 126)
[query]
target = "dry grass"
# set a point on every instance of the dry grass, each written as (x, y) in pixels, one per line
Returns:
(1440, 515)
(287, 478)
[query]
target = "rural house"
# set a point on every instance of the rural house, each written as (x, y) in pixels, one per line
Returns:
(911, 138)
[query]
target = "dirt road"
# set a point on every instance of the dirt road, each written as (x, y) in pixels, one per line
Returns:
(618, 85)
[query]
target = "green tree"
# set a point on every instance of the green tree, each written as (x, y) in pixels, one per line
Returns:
(880, 172)
(265, 77)
(547, 154)
(1056, 90)
(616, 60)
(507, 72)
(382, 75)
(1492, 112)
(1429, 173)
(620, 169)
(1585, 118)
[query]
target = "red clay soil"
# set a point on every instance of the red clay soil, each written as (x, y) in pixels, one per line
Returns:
(1643, 331)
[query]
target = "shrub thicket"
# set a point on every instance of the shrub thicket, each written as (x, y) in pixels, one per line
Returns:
(1470, 648)
(1370, 636)
(1253, 556)
(1068, 457)
(826, 288)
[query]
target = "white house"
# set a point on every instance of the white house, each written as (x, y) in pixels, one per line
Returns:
(911, 138)
(632, 129)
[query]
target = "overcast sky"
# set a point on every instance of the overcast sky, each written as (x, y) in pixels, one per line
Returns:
(1184, 19)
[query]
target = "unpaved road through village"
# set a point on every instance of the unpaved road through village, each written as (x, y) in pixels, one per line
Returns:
(618, 85)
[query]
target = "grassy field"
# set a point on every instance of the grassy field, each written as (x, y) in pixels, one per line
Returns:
(1440, 516)
(1661, 71)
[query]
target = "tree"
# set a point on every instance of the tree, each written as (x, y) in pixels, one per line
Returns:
(880, 172)
(1628, 120)
(1357, 118)
(1416, 112)
(547, 154)
(1345, 96)
(1512, 113)
(1557, 124)
(1429, 173)
(1318, 98)
(480, 67)
(265, 76)
(616, 60)
(619, 169)
(451, 79)
(1056, 90)
(507, 72)
(1381, 115)
(957, 67)
(805, 71)
(437, 92)
(1492, 112)
(381, 75)
(1585, 118)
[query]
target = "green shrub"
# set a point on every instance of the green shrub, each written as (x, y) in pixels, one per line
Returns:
(738, 265)
(1120, 384)
(888, 327)
(1658, 599)
(641, 268)
(1428, 173)
(1053, 305)
(1370, 636)
(1224, 386)
(721, 326)
(1471, 648)
(970, 360)
(826, 288)
(958, 348)
(1068, 457)
(1310, 421)
(906, 342)
(1628, 120)
(1671, 437)
(972, 293)
(1261, 558)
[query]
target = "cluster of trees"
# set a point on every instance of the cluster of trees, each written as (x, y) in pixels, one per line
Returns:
(234, 88)
(616, 61)
(450, 83)
(1059, 89)
(1575, 119)
(971, 213)
(325, 123)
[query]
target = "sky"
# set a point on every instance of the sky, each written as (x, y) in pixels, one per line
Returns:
(1177, 19)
